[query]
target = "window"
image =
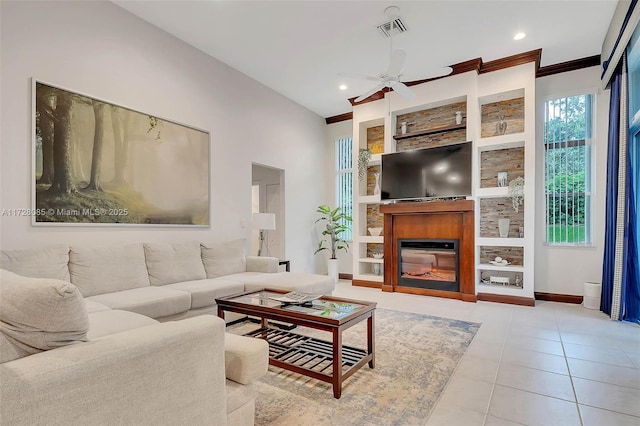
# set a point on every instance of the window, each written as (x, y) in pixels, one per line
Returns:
(567, 174)
(344, 181)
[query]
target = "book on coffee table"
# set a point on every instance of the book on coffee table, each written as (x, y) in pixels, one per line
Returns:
(296, 297)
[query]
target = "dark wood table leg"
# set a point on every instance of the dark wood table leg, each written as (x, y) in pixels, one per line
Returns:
(337, 363)
(371, 339)
(220, 312)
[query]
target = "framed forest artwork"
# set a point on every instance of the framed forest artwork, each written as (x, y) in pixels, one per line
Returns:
(98, 163)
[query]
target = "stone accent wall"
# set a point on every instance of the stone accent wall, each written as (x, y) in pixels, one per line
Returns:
(492, 209)
(429, 141)
(375, 139)
(432, 118)
(374, 248)
(513, 111)
(501, 160)
(375, 219)
(514, 255)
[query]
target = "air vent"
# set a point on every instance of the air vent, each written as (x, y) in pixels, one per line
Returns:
(394, 27)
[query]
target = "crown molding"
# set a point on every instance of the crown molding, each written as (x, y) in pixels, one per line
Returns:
(481, 67)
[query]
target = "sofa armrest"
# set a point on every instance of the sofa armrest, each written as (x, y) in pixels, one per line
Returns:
(246, 358)
(262, 264)
(168, 373)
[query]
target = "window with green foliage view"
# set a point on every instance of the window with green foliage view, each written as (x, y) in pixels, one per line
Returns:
(567, 174)
(344, 182)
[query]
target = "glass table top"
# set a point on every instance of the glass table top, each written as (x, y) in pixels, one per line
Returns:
(319, 307)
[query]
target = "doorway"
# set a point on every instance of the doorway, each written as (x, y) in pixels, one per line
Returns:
(267, 196)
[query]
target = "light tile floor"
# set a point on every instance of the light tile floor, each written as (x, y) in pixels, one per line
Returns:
(553, 364)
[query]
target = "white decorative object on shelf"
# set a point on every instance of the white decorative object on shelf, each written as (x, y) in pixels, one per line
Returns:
(516, 192)
(502, 179)
(503, 227)
(377, 255)
(376, 188)
(501, 126)
(403, 127)
(377, 269)
(458, 117)
(375, 231)
(499, 261)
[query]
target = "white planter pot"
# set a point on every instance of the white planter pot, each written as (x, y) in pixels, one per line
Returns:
(333, 269)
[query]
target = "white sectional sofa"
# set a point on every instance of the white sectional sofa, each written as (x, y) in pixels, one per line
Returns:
(128, 351)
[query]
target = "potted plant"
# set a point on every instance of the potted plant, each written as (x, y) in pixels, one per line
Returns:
(364, 156)
(335, 224)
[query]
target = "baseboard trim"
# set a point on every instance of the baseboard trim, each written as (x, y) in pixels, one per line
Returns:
(511, 300)
(554, 297)
(345, 276)
(363, 283)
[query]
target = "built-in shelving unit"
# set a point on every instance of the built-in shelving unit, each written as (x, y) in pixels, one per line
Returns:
(498, 110)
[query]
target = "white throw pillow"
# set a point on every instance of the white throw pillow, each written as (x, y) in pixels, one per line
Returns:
(47, 262)
(225, 258)
(173, 263)
(38, 314)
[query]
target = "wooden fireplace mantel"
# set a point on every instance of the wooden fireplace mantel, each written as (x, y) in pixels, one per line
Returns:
(434, 219)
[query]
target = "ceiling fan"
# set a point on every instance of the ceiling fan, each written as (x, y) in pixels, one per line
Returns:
(391, 77)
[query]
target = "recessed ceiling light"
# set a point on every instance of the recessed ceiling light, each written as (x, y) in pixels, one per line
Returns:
(519, 36)
(342, 87)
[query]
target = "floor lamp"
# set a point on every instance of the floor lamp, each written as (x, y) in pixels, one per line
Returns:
(263, 222)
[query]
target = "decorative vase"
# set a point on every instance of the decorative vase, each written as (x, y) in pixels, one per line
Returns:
(502, 179)
(458, 117)
(376, 188)
(333, 270)
(503, 227)
(377, 269)
(501, 126)
(403, 127)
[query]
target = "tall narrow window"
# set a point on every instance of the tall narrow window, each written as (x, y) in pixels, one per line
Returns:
(567, 143)
(344, 182)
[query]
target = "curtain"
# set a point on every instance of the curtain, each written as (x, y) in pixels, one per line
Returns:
(608, 263)
(620, 276)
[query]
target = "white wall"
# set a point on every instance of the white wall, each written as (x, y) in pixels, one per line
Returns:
(335, 131)
(100, 50)
(563, 270)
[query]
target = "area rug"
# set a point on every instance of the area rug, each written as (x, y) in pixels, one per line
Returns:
(415, 357)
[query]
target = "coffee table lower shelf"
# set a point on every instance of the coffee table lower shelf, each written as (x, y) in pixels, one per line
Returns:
(309, 356)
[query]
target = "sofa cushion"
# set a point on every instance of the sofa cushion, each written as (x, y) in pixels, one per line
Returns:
(95, 306)
(48, 262)
(99, 270)
(204, 292)
(223, 258)
(154, 302)
(173, 263)
(113, 321)
(299, 281)
(38, 314)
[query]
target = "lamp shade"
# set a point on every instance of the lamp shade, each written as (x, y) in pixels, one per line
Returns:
(265, 221)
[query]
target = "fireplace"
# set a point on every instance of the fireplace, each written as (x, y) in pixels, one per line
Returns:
(428, 263)
(447, 230)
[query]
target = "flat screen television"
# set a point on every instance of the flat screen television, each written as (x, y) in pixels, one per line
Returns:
(438, 172)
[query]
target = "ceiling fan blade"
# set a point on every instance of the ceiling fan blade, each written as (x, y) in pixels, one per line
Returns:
(369, 93)
(402, 90)
(396, 63)
(359, 76)
(438, 72)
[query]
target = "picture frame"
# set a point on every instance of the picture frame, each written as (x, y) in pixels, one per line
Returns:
(102, 164)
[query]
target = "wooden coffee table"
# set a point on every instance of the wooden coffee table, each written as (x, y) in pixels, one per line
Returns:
(306, 355)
